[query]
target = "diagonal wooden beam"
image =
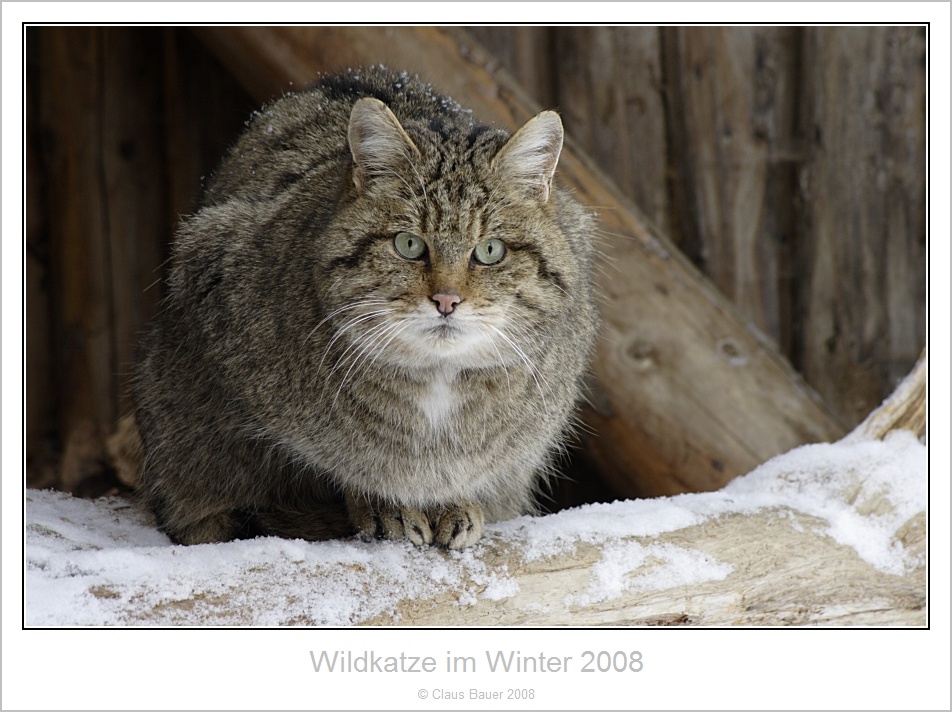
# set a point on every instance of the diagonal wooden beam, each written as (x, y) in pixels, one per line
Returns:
(688, 396)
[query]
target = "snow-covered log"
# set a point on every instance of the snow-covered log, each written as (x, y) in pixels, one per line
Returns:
(827, 534)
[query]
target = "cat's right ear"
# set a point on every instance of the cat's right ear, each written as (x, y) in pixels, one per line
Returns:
(377, 141)
(529, 158)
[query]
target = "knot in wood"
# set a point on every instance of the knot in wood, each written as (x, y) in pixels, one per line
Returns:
(641, 354)
(730, 351)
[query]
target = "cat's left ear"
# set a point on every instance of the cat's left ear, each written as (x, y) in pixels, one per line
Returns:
(377, 141)
(529, 158)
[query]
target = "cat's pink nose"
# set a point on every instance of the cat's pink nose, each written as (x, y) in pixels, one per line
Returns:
(446, 301)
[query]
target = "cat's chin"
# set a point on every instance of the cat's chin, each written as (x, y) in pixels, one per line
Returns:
(458, 343)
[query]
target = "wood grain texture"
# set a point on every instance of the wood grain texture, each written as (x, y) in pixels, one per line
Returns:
(688, 396)
(40, 403)
(102, 170)
(136, 189)
(784, 574)
(529, 54)
(205, 110)
(906, 409)
(70, 120)
(610, 93)
(732, 115)
(863, 212)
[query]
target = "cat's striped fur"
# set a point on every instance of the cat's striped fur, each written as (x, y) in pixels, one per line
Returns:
(343, 349)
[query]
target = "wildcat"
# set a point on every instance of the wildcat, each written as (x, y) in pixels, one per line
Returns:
(377, 322)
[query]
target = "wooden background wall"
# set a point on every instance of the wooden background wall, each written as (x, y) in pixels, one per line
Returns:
(788, 164)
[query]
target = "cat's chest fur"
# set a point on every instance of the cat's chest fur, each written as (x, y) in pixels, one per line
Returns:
(439, 400)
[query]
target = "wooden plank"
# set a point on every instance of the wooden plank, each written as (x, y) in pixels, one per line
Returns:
(863, 218)
(40, 388)
(70, 118)
(610, 92)
(733, 113)
(689, 396)
(135, 188)
(527, 54)
(205, 111)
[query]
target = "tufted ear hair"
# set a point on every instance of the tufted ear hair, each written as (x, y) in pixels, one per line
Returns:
(529, 158)
(377, 141)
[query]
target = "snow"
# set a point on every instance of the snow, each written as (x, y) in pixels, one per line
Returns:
(103, 562)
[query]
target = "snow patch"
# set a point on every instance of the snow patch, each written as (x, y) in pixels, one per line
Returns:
(103, 562)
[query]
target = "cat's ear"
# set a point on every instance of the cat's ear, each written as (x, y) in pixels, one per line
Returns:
(377, 141)
(530, 156)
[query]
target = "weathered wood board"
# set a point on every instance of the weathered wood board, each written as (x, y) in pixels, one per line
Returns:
(863, 221)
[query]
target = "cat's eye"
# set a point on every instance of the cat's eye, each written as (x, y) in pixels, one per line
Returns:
(489, 252)
(409, 245)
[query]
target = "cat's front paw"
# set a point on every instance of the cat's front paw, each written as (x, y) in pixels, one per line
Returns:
(453, 527)
(459, 526)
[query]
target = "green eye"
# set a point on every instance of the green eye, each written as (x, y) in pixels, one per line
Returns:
(489, 252)
(409, 245)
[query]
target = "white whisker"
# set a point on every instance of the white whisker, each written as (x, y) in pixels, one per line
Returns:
(371, 344)
(346, 307)
(351, 323)
(502, 363)
(533, 370)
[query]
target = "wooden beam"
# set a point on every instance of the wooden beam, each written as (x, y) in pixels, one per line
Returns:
(688, 396)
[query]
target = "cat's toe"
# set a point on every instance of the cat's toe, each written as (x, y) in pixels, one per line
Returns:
(377, 520)
(412, 524)
(459, 527)
(364, 518)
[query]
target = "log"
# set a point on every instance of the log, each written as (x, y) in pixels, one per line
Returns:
(688, 395)
(527, 53)
(828, 534)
